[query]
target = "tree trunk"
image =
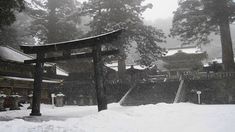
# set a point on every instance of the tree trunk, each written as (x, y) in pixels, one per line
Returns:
(37, 86)
(52, 20)
(121, 68)
(99, 79)
(226, 42)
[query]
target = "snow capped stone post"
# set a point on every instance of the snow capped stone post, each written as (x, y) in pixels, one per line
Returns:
(30, 100)
(81, 100)
(199, 96)
(15, 101)
(53, 100)
(90, 100)
(59, 99)
(2, 99)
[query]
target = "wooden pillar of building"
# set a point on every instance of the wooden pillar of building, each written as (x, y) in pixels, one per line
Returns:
(99, 78)
(37, 86)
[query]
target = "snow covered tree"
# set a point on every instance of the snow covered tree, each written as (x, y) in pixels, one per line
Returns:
(109, 15)
(195, 20)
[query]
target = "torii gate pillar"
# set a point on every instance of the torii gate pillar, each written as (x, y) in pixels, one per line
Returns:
(37, 86)
(99, 79)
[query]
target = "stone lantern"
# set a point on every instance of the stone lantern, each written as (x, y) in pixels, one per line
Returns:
(81, 100)
(2, 99)
(90, 100)
(59, 99)
(15, 98)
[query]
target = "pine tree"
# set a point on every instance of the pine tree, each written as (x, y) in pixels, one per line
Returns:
(195, 20)
(11, 32)
(110, 15)
(17, 33)
(55, 20)
(8, 9)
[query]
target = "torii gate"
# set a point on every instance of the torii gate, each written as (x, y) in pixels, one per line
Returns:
(96, 54)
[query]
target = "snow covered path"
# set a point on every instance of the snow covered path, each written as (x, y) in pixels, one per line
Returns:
(146, 118)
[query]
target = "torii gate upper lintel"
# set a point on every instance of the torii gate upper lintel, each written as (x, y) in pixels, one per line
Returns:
(94, 42)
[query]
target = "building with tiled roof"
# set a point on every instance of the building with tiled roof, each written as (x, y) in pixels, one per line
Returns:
(17, 77)
(183, 59)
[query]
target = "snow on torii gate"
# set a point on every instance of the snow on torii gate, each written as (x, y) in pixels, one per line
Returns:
(93, 42)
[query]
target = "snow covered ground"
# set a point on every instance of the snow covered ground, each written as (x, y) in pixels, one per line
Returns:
(147, 118)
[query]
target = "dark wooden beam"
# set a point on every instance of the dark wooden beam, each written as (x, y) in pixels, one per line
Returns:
(14, 74)
(37, 86)
(71, 57)
(74, 44)
(99, 78)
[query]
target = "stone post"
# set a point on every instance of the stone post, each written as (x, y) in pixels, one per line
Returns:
(59, 100)
(90, 100)
(30, 97)
(15, 100)
(81, 100)
(2, 99)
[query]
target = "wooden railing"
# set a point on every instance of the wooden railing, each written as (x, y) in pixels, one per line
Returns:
(207, 76)
(192, 76)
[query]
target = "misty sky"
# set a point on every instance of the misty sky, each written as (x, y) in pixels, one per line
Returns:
(162, 9)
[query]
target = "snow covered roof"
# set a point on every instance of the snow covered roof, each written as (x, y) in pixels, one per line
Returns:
(61, 72)
(30, 79)
(9, 53)
(3, 95)
(114, 66)
(12, 54)
(206, 65)
(218, 60)
(60, 95)
(187, 50)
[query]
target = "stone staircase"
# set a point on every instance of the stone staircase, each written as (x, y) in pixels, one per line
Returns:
(151, 93)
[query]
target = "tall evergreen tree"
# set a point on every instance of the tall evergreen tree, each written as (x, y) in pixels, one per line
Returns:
(54, 20)
(18, 33)
(8, 11)
(116, 14)
(195, 20)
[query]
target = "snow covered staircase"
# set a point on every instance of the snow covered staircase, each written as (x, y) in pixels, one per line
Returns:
(150, 93)
(128, 92)
(180, 95)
